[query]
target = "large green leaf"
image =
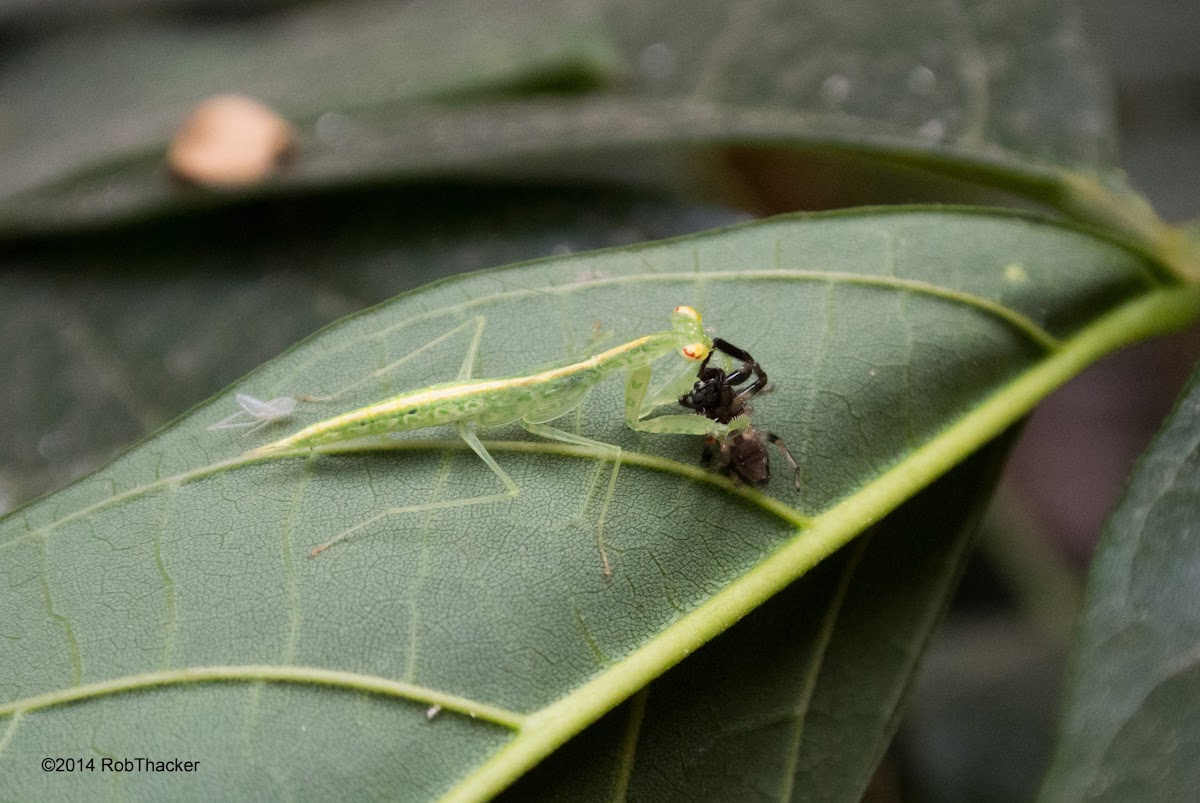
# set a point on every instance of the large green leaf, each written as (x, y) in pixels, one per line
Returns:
(1130, 729)
(168, 599)
(1010, 94)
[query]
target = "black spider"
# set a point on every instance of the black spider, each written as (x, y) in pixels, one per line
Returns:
(741, 455)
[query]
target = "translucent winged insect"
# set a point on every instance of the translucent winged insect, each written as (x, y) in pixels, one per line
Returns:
(740, 451)
(530, 401)
(261, 413)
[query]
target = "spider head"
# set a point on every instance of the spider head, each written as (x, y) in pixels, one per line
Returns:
(705, 395)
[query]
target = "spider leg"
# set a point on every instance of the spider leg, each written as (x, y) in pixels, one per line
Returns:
(725, 347)
(750, 367)
(778, 443)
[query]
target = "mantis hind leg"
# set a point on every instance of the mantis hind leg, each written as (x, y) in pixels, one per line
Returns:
(472, 440)
(614, 453)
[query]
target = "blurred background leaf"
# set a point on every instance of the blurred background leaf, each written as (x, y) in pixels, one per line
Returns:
(1008, 94)
(1133, 698)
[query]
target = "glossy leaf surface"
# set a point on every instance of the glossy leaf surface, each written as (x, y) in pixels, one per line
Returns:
(176, 578)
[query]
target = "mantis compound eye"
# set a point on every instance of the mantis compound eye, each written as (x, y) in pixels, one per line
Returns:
(695, 351)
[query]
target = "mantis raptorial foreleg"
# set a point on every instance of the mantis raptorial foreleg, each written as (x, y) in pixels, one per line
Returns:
(678, 384)
(636, 407)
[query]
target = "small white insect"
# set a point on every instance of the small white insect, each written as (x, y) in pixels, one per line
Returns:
(432, 711)
(261, 413)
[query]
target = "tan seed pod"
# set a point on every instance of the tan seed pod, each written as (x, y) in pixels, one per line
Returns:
(228, 141)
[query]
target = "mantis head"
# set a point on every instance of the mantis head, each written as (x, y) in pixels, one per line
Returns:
(686, 321)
